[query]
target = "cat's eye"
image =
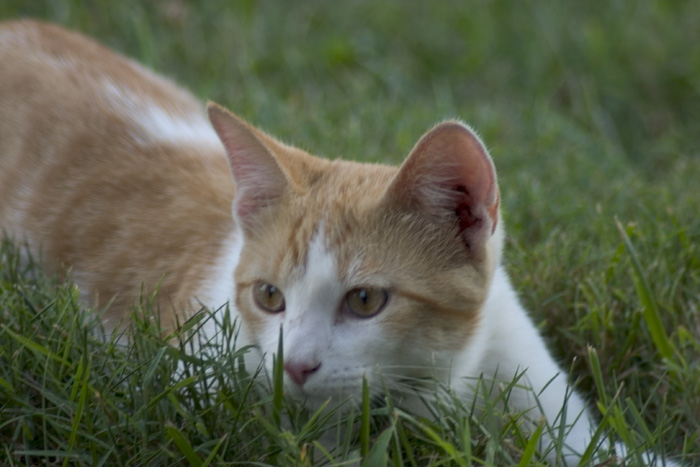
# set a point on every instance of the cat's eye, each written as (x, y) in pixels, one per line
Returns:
(268, 297)
(366, 301)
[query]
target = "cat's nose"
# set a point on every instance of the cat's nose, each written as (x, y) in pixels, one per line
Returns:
(299, 372)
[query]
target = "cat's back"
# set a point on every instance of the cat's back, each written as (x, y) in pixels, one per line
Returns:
(48, 64)
(105, 165)
(60, 90)
(55, 83)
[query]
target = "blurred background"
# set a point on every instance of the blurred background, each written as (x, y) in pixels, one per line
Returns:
(591, 111)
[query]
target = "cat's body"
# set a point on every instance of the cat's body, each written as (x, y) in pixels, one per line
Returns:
(97, 155)
(390, 273)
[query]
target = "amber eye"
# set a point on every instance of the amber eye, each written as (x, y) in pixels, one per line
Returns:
(268, 297)
(366, 301)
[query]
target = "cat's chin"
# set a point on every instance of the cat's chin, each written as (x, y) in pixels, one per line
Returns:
(345, 392)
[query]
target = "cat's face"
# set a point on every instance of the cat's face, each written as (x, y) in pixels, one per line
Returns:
(370, 271)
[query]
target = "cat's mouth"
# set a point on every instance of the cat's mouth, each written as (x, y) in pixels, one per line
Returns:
(319, 392)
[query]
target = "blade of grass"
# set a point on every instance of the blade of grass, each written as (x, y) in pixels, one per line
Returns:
(36, 348)
(165, 393)
(624, 432)
(310, 424)
(278, 382)
(183, 445)
(467, 439)
(365, 417)
(444, 444)
(78, 379)
(531, 447)
(650, 310)
(152, 368)
(587, 457)
(211, 455)
(597, 375)
(81, 403)
(7, 386)
(377, 456)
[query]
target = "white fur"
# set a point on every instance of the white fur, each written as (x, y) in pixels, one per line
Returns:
(193, 129)
(220, 289)
(512, 345)
(157, 125)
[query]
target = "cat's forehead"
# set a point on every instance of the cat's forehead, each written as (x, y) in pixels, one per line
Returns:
(339, 205)
(360, 245)
(333, 205)
(345, 185)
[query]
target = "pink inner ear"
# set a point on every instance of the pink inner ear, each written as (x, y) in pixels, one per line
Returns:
(258, 176)
(463, 211)
(450, 174)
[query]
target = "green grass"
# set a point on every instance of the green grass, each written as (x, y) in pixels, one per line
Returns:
(592, 114)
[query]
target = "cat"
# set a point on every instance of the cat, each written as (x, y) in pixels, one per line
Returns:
(389, 273)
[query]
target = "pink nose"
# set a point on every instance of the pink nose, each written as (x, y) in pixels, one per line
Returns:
(299, 372)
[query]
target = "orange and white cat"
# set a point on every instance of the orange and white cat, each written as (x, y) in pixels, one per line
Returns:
(370, 270)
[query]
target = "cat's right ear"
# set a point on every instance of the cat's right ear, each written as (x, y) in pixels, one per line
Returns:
(260, 181)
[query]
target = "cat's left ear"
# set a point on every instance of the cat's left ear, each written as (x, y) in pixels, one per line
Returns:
(450, 176)
(260, 180)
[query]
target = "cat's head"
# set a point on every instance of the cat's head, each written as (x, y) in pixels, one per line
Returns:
(369, 270)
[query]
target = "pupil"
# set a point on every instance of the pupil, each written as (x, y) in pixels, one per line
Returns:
(363, 296)
(270, 290)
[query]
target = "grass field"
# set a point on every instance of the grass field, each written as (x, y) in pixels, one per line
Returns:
(591, 111)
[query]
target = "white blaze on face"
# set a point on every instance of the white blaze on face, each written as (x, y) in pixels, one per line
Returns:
(312, 307)
(327, 350)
